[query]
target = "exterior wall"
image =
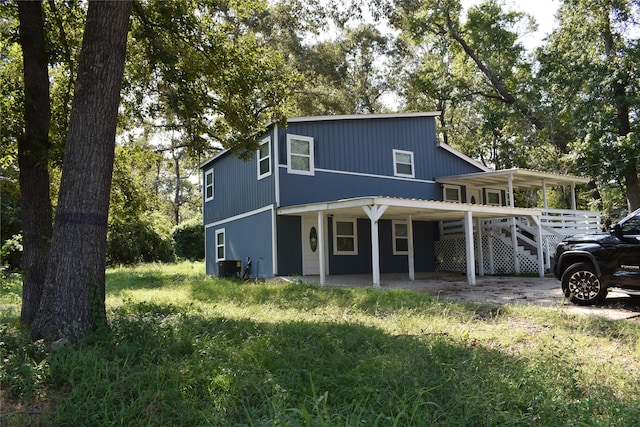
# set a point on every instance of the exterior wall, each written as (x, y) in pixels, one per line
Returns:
(248, 236)
(354, 157)
(236, 186)
(289, 245)
(290, 242)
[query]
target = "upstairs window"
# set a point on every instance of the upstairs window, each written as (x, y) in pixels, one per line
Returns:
(494, 197)
(264, 158)
(452, 194)
(403, 164)
(345, 237)
(208, 185)
(300, 154)
(220, 247)
(400, 238)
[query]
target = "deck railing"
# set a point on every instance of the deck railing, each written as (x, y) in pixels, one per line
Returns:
(570, 222)
(556, 225)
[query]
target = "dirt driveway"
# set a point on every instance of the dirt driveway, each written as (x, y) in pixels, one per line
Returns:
(498, 290)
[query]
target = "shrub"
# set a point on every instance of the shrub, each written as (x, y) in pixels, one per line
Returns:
(189, 240)
(11, 252)
(143, 239)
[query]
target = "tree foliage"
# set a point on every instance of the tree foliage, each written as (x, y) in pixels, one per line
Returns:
(590, 67)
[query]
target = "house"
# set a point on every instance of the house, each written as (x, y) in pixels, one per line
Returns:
(375, 194)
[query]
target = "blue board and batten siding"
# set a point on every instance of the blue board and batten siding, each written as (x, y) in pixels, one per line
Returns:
(237, 189)
(354, 158)
(249, 236)
(242, 206)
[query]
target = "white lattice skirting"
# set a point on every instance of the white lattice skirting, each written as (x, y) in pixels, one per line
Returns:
(498, 255)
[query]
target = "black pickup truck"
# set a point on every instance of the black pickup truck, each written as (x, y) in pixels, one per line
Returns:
(589, 264)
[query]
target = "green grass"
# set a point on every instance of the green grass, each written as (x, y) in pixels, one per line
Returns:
(185, 349)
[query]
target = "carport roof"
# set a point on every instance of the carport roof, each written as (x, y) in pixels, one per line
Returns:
(397, 208)
(521, 178)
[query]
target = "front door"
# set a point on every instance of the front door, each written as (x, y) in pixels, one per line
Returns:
(310, 251)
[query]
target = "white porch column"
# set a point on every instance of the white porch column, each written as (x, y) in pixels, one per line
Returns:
(544, 194)
(480, 249)
(573, 196)
(321, 247)
(374, 213)
(468, 233)
(512, 202)
(411, 255)
(541, 261)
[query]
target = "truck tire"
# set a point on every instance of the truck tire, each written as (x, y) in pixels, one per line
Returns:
(581, 284)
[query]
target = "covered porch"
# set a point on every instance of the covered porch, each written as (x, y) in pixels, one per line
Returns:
(556, 223)
(410, 210)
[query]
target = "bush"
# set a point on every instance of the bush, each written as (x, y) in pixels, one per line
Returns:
(144, 239)
(189, 240)
(11, 252)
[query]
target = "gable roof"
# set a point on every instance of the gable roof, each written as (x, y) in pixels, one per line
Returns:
(361, 117)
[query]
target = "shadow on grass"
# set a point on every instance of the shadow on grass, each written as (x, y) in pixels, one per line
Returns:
(161, 365)
(306, 297)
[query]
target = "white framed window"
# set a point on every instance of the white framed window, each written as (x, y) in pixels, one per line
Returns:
(400, 237)
(220, 246)
(208, 185)
(451, 193)
(345, 237)
(300, 154)
(403, 163)
(264, 158)
(494, 197)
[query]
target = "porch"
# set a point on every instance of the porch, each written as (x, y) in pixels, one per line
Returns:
(408, 211)
(477, 236)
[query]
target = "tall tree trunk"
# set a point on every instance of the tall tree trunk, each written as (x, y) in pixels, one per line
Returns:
(73, 302)
(33, 158)
(619, 84)
(178, 191)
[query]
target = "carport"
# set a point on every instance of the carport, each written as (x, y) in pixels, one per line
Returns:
(376, 208)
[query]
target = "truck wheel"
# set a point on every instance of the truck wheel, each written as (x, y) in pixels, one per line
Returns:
(581, 285)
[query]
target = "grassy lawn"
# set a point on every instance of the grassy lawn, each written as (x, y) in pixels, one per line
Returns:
(185, 349)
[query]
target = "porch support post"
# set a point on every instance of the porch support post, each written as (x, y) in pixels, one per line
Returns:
(374, 212)
(321, 247)
(512, 202)
(544, 194)
(411, 260)
(573, 196)
(480, 249)
(468, 232)
(536, 220)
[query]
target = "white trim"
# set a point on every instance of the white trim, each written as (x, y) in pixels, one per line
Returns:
(274, 242)
(310, 141)
(463, 156)
(411, 163)
(237, 217)
(354, 221)
(205, 186)
(370, 175)
(265, 141)
(224, 244)
(394, 237)
(362, 117)
(276, 163)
